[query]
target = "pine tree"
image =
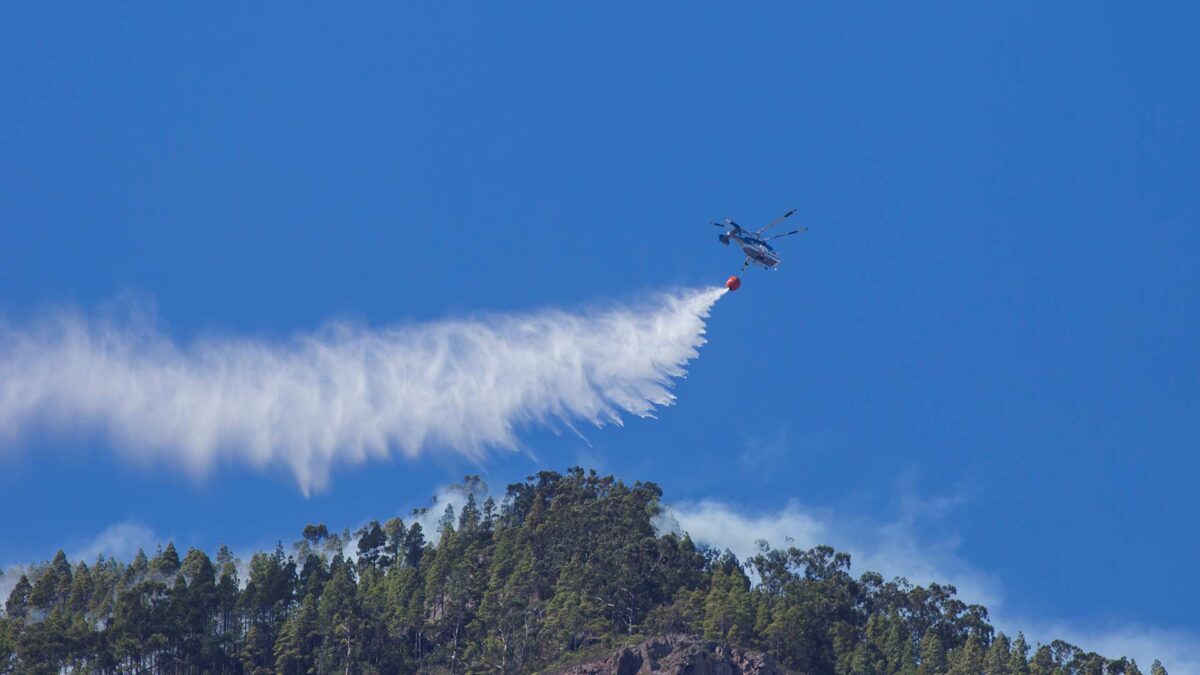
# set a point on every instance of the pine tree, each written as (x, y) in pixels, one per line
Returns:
(314, 534)
(933, 655)
(968, 659)
(17, 605)
(80, 595)
(396, 533)
(299, 640)
(446, 522)
(256, 655)
(313, 575)
(138, 568)
(372, 544)
(1018, 661)
(998, 659)
(415, 546)
(727, 609)
(1042, 662)
(227, 625)
(898, 648)
(8, 646)
(166, 562)
(339, 619)
(573, 616)
(489, 514)
(53, 587)
(468, 520)
(867, 660)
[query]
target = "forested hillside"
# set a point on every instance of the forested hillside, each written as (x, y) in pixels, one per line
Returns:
(566, 565)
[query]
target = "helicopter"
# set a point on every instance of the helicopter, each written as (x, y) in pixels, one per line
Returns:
(753, 244)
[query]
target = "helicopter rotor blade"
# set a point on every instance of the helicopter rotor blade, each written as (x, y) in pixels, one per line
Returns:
(785, 234)
(775, 222)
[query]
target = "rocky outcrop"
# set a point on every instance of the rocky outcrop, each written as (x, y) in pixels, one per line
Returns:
(680, 655)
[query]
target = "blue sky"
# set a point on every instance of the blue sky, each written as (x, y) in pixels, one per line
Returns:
(995, 309)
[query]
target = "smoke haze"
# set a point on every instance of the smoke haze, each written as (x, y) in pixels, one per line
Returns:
(343, 394)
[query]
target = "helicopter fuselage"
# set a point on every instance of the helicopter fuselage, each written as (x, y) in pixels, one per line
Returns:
(756, 250)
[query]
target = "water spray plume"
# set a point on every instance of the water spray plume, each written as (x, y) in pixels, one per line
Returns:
(346, 393)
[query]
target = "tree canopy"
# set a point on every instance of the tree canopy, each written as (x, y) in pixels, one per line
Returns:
(566, 563)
